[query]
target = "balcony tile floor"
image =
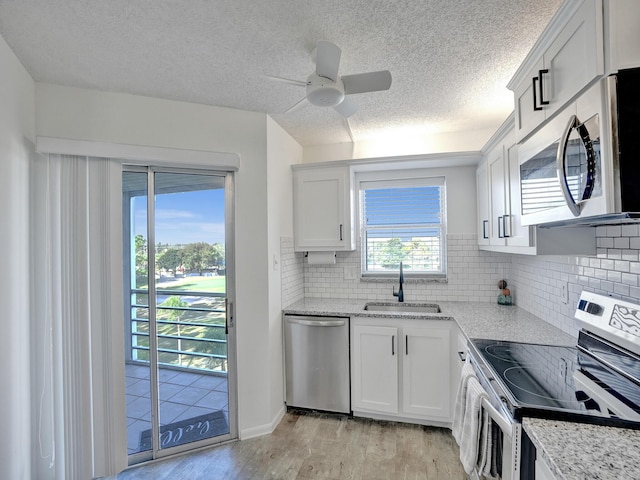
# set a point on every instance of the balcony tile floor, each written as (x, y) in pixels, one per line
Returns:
(183, 395)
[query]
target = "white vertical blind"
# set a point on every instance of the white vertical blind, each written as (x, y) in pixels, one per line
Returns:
(77, 300)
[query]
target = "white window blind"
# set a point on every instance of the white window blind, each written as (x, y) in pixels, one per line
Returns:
(403, 221)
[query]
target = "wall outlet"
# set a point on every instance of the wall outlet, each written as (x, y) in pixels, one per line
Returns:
(350, 273)
(564, 294)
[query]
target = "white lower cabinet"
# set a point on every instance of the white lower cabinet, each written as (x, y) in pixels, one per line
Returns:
(374, 368)
(543, 472)
(401, 369)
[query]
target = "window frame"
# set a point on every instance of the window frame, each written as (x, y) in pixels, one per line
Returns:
(400, 179)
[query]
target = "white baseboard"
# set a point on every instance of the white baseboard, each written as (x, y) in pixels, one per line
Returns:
(265, 429)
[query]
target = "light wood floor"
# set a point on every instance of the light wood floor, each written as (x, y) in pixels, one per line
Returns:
(309, 445)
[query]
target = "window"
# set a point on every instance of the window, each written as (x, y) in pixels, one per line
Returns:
(403, 221)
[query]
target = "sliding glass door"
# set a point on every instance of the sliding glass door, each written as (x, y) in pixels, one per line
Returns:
(178, 322)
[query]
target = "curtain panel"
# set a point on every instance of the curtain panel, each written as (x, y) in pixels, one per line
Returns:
(79, 424)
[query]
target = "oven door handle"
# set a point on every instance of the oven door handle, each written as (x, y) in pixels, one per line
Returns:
(505, 425)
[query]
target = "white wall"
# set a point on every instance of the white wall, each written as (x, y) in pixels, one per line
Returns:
(16, 147)
(80, 114)
(440, 142)
(282, 152)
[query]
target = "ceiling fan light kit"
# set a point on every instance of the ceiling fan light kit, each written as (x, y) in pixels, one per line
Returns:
(323, 92)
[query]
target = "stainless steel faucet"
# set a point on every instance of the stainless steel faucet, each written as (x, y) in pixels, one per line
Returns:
(399, 293)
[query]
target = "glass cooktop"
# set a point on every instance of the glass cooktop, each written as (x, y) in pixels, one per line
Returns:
(552, 381)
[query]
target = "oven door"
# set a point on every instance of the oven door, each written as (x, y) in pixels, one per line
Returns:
(510, 429)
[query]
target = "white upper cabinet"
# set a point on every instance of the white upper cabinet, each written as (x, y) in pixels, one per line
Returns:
(623, 35)
(498, 179)
(566, 59)
(323, 209)
(482, 188)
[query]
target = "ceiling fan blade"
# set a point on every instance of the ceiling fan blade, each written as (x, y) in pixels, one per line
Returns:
(346, 107)
(297, 83)
(367, 82)
(327, 60)
(297, 105)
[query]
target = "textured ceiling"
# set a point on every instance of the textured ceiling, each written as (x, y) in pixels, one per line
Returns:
(450, 59)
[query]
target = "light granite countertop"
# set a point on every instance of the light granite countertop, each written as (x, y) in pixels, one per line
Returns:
(578, 451)
(477, 320)
(571, 450)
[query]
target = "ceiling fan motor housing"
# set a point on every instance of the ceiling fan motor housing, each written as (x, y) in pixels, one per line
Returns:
(324, 92)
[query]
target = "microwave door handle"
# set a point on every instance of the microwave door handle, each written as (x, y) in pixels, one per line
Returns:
(561, 158)
(591, 161)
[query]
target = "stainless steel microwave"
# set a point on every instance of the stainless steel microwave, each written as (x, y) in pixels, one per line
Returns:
(583, 166)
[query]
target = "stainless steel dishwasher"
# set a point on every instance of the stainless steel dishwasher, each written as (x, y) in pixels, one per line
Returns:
(317, 363)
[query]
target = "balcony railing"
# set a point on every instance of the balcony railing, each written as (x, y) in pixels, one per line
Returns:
(190, 329)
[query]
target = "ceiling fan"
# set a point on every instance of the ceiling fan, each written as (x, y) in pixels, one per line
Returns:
(325, 88)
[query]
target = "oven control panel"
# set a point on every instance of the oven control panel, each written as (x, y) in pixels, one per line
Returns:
(610, 318)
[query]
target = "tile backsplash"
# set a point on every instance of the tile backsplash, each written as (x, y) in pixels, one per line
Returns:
(472, 276)
(614, 271)
(536, 282)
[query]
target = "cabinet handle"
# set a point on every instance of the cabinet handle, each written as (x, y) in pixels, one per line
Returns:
(463, 357)
(500, 235)
(485, 223)
(406, 344)
(393, 345)
(504, 226)
(340, 232)
(535, 96)
(542, 100)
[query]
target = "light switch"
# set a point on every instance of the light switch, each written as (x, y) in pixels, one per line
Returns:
(564, 294)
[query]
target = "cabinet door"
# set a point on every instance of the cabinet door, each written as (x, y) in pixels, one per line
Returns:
(528, 117)
(542, 470)
(426, 372)
(482, 190)
(575, 57)
(374, 369)
(322, 206)
(517, 234)
(497, 173)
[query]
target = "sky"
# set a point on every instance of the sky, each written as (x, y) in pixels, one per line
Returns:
(186, 217)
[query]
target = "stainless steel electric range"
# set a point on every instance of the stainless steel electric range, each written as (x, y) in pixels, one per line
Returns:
(596, 381)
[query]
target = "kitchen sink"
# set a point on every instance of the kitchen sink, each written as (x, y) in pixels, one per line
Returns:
(403, 307)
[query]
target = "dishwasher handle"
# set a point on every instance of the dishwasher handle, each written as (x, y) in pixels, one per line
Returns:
(316, 323)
